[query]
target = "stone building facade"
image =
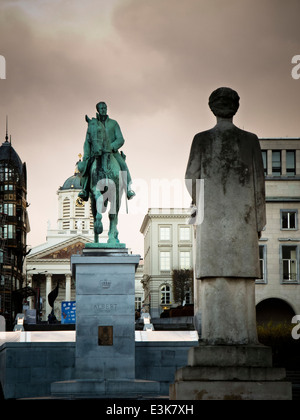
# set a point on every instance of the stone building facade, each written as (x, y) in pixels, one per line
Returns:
(167, 245)
(278, 291)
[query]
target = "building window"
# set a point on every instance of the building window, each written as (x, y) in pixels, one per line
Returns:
(164, 233)
(9, 231)
(265, 160)
(165, 293)
(79, 212)
(184, 233)
(66, 225)
(185, 260)
(66, 208)
(263, 264)
(79, 224)
(188, 296)
(276, 162)
(165, 260)
(138, 303)
(9, 209)
(289, 263)
(290, 163)
(288, 219)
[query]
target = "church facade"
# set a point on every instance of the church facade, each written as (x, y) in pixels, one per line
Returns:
(48, 264)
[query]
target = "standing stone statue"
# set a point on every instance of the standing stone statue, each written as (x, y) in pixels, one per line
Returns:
(228, 160)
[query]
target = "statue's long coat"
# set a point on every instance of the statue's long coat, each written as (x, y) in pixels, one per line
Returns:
(106, 135)
(229, 162)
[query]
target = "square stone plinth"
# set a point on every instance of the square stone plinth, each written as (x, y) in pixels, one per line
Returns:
(105, 314)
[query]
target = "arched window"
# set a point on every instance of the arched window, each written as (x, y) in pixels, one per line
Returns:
(165, 293)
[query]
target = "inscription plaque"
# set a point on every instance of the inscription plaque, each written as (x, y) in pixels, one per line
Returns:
(105, 336)
(105, 307)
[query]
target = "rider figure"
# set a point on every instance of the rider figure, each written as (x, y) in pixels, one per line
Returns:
(110, 133)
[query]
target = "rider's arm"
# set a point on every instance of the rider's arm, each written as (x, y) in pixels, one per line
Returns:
(119, 139)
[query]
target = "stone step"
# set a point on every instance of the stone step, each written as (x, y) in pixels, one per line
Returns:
(105, 388)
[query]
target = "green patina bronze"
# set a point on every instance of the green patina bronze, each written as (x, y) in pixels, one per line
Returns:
(104, 173)
(104, 245)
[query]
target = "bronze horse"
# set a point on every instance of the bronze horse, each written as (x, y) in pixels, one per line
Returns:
(106, 183)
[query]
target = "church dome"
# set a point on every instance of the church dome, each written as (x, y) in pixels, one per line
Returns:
(72, 183)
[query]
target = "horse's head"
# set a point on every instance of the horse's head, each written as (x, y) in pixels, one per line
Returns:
(92, 126)
(95, 135)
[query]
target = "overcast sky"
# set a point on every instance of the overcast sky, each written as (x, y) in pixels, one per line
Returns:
(155, 63)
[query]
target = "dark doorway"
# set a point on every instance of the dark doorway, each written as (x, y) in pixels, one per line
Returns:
(273, 310)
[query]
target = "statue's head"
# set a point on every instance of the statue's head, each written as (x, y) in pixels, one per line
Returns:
(101, 108)
(224, 102)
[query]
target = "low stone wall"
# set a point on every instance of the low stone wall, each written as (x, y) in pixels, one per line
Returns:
(158, 361)
(28, 369)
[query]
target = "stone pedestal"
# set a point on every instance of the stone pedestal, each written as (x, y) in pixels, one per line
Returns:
(105, 326)
(229, 363)
(224, 372)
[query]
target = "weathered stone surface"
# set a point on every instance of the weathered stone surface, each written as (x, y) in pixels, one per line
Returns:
(229, 162)
(230, 390)
(228, 311)
(105, 298)
(228, 363)
(229, 373)
(101, 388)
(206, 355)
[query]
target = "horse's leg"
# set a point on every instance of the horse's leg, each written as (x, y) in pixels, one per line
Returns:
(113, 231)
(113, 218)
(96, 210)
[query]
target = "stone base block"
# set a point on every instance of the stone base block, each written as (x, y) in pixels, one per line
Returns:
(230, 390)
(233, 372)
(101, 388)
(229, 373)
(233, 355)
